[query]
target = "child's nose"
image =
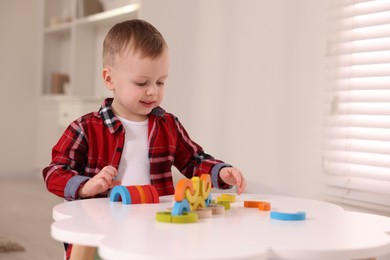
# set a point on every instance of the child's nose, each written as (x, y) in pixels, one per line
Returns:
(152, 90)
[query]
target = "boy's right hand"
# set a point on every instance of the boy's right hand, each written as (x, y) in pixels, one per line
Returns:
(100, 183)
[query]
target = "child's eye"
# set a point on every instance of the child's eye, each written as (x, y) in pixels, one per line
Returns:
(141, 84)
(160, 83)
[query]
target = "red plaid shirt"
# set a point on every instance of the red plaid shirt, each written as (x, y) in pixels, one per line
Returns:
(97, 139)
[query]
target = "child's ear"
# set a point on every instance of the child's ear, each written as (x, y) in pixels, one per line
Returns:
(107, 78)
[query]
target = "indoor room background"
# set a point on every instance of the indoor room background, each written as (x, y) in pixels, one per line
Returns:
(246, 80)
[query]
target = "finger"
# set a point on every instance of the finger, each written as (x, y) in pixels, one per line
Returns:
(243, 186)
(111, 171)
(102, 185)
(115, 183)
(106, 177)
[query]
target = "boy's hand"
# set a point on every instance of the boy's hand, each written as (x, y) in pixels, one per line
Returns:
(233, 176)
(101, 182)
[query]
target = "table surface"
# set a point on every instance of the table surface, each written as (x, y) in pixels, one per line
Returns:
(122, 231)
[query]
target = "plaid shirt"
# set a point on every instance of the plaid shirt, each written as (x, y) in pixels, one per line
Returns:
(97, 139)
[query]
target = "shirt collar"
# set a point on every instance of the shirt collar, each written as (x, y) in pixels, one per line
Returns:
(112, 122)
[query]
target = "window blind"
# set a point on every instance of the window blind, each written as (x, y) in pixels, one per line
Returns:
(356, 158)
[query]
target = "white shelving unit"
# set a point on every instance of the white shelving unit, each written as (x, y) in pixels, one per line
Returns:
(72, 50)
(73, 45)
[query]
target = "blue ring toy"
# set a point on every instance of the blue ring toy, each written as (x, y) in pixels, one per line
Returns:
(288, 216)
(180, 207)
(120, 191)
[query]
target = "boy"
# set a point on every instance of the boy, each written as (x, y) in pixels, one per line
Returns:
(131, 140)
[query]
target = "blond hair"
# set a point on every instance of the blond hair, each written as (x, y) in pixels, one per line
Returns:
(132, 35)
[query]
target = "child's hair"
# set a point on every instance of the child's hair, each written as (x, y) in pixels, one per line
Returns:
(132, 35)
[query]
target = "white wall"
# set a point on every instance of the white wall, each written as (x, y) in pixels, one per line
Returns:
(246, 80)
(19, 71)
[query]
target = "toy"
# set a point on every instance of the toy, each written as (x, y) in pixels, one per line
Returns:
(187, 217)
(217, 209)
(204, 213)
(261, 205)
(288, 216)
(134, 194)
(264, 206)
(190, 196)
(226, 197)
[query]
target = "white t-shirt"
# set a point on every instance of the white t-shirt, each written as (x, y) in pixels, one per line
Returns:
(134, 167)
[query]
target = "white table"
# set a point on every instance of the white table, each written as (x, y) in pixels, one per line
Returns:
(130, 231)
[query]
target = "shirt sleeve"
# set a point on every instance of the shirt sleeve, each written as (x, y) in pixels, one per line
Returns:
(62, 176)
(191, 160)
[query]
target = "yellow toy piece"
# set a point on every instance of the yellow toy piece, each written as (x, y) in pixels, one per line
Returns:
(166, 217)
(226, 197)
(189, 217)
(225, 204)
(191, 196)
(199, 203)
(205, 186)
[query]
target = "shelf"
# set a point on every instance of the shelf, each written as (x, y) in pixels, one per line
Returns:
(111, 16)
(72, 59)
(69, 98)
(58, 28)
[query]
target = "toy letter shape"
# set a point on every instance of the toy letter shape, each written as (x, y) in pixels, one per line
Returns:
(180, 207)
(192, 196)
(205, 186)
(181, 187)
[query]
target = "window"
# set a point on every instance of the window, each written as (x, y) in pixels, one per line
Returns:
(357, 128)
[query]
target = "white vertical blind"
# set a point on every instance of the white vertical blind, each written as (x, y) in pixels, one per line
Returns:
(357, 130)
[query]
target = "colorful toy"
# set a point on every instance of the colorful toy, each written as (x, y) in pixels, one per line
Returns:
(167, 217)
(226, 197)
(217, 209)
(191, 197)
(288, 216)
(264, 206)
(261, 205)
(134, 194)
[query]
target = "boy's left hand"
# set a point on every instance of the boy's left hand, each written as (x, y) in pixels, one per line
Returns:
(233, 176)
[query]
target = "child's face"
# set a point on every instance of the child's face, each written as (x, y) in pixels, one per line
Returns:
(138, 84)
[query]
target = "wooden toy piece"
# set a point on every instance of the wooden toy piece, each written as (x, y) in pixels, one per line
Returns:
(251, 204)
(204, 213)
(288, 216)
(264, 206)
(134, 193)
(191, 196)
(120, 192)
(199, 203)
(148, 194)
(142, 194)
(187, 217)
(181, 187)
(225, 204)
(205, 186)
(226, 197)
(180, 207)
(153, 191)
(217, 209)
(165, 216)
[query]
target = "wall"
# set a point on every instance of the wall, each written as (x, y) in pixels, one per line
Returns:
(19, 70)
(246, 80)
